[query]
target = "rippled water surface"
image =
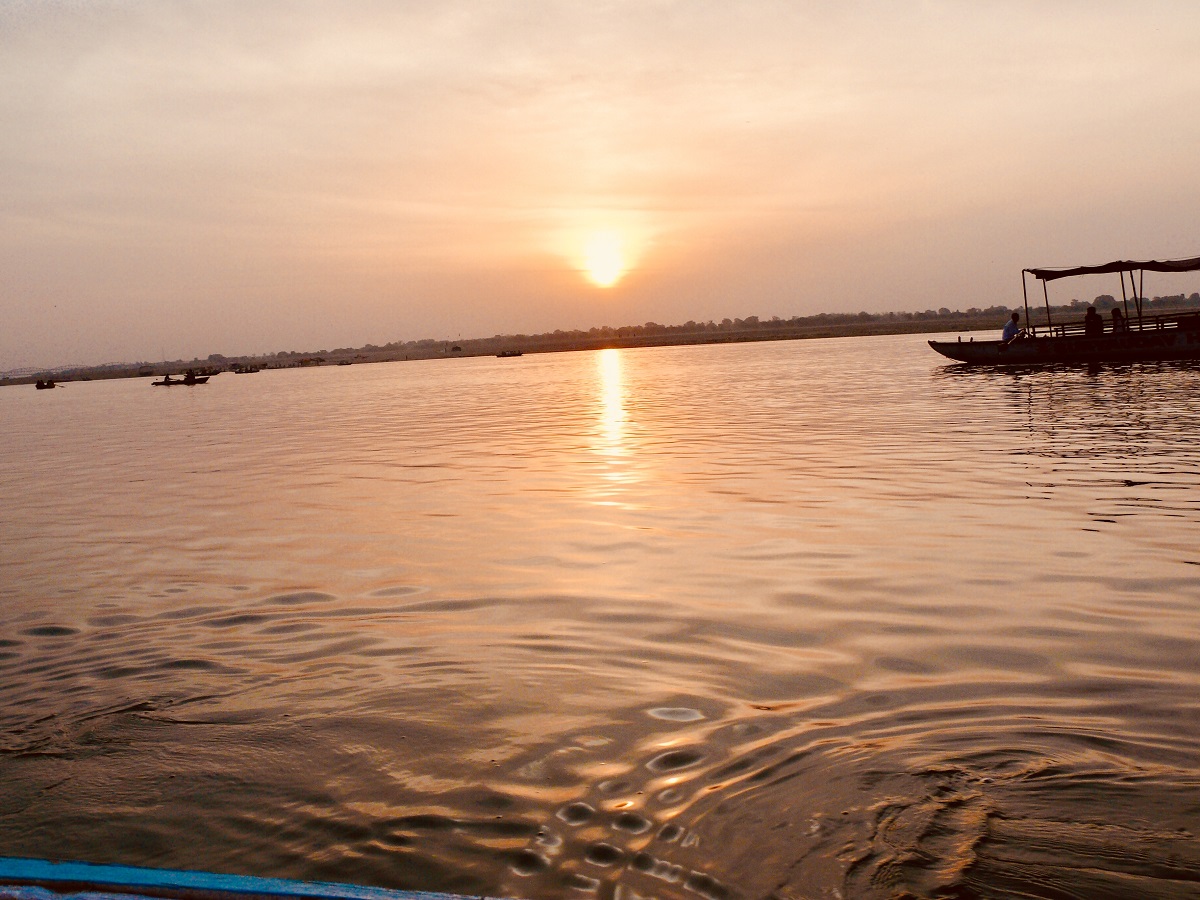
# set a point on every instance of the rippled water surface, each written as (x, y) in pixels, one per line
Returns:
(792, 620)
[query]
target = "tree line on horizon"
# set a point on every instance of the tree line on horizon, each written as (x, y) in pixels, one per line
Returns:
(985, 317)
(750, 328)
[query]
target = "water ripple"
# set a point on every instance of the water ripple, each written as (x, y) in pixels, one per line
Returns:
(818, 618)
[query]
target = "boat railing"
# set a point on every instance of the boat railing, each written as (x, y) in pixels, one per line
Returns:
(1186, 319)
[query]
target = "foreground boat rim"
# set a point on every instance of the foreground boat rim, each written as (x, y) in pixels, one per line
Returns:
(41, 879)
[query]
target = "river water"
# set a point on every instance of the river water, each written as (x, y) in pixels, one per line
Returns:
(801, 619)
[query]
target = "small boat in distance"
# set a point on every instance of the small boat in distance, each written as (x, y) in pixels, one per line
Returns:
(1134, 336)
(506, 353)
(45, 385)
(189, 378)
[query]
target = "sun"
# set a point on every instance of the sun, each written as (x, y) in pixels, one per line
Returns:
(604, 258)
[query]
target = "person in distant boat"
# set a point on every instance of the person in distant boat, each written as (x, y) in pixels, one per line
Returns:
(1119, 323)
(1093, 325)
(1013, 329)
(167, 379)
(40, 384)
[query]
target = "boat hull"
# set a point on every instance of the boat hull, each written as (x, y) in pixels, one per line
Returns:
(188, 382)
(1132, 346)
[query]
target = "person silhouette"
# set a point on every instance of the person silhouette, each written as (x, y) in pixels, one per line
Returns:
(1012, 328)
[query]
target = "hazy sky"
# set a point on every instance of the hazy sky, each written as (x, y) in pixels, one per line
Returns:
(185, 178)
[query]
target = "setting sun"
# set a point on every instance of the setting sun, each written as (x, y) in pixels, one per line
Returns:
(604, 260)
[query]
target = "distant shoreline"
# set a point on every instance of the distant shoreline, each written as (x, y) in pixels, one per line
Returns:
(728, 331)
(523, 345)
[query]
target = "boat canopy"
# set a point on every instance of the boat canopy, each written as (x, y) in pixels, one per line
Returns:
(1122, 265)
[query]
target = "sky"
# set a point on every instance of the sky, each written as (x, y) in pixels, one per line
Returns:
(246, 176)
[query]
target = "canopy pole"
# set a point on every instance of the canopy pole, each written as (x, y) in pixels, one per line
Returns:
(1046, 294)
(1125, 299)
(1141, 288)
(1025, 294)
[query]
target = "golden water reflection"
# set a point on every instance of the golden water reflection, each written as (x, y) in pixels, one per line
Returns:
(612, 402)
(613, 442)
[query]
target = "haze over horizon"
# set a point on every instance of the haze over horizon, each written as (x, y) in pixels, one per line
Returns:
(186, 178)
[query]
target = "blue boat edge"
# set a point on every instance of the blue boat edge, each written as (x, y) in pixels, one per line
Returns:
(31, 879)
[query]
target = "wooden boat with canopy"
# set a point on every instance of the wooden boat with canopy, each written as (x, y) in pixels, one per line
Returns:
(1144, 335)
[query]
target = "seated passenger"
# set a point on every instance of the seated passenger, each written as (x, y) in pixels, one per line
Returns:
(1093, 325)
(1012, 328)
(1119, 323)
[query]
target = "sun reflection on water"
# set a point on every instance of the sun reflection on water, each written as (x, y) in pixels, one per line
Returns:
(612, 403)
(612, 435)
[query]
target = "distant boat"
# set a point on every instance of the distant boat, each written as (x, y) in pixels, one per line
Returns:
(1136, 336)
(504, 353)
(188, 379)
(45, 385)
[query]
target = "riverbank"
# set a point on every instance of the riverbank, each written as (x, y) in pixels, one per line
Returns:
(750, 329)
(551, 342)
